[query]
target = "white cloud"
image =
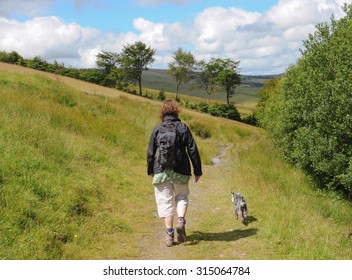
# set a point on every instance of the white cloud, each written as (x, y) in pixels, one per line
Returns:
(297, 33)
(289, 13)
(216, 27)
(151, 33)
(263, 42)
(44, 36)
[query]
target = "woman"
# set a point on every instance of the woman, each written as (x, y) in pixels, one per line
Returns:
(171, 182)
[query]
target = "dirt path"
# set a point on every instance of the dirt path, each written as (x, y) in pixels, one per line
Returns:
(212, 231)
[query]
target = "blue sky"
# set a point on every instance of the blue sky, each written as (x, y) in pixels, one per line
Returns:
(264, 35)
(118, 15)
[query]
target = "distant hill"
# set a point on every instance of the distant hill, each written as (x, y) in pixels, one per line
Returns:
(246, 94)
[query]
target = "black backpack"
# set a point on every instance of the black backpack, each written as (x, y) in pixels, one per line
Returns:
(166, 141)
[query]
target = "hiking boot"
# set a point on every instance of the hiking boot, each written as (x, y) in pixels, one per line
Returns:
(169, 239)
(181, 230)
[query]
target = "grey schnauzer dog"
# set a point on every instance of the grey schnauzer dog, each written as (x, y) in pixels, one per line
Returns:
(240, 204)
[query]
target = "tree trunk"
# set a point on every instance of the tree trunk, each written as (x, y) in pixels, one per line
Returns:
(177, 86)
(140, 87)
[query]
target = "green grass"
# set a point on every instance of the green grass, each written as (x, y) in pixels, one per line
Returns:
(73, 182)
(67, 169)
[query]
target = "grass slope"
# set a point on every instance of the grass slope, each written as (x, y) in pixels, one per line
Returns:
(73, 182)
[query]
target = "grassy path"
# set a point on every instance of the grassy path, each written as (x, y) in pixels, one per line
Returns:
(288, 219)
(212, 231)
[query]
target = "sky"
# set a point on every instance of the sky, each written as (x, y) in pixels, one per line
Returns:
(264, 35)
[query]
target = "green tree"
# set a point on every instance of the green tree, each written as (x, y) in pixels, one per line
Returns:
(108, 62)
(207, 76)
(135, 59)
(182, 68)
(227, 77)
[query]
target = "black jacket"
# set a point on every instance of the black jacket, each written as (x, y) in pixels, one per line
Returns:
(187, 146)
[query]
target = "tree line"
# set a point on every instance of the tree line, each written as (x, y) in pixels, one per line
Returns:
(127, 67)
(308, 112)
(119, 70)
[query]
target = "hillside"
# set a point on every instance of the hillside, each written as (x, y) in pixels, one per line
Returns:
(246, 94)
(73, 182)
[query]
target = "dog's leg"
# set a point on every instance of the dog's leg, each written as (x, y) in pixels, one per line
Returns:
(243, 217)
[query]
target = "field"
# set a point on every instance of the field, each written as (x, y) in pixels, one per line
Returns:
(73, 182)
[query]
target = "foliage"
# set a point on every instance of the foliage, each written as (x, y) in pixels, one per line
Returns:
(38, 63)
(181, 67)
(227, 77)
(250, 119)
(107, 62)
(95, 76)
(217, 110)
(12, 57)
(270, 106)
(161, 96)
(133, 60)
(309, 112)
(219, 73)
(207, 75)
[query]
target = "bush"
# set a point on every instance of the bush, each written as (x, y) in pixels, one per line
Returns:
(203, 107)
(12, 57)
(222, 110)
(251, 120)
(309, 112)
(161, 96)
(217, 110)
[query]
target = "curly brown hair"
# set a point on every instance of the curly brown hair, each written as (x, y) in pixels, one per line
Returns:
(169, 107)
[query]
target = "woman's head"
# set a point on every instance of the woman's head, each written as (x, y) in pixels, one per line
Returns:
(169, 107)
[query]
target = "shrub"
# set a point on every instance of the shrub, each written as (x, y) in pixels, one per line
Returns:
(161, 96)
(203, 107)
(309, 112)
(251, 120)
(222, 110)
